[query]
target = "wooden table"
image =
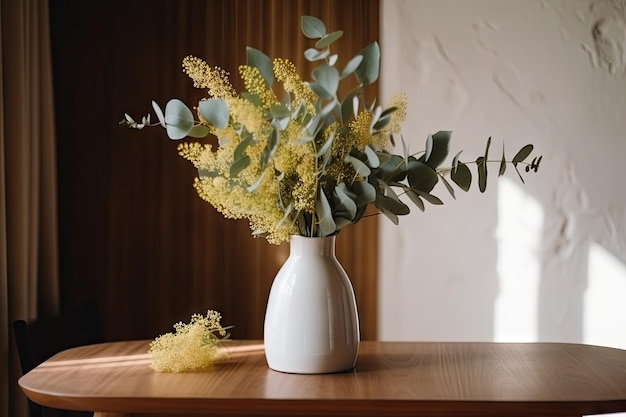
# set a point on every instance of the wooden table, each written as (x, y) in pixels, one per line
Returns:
(390, 379)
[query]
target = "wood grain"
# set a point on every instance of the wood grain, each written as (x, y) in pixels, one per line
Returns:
(390, 379)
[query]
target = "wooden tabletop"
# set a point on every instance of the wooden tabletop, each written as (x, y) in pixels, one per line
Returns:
(390, 379)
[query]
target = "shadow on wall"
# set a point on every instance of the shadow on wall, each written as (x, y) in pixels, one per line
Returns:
(590, 307)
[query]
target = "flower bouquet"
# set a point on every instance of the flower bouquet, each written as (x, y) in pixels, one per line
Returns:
(299, 162)
(294, 158)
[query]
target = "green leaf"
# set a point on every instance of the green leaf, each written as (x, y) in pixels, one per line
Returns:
(382, 122)
(487, 149)
(383, 157)
(429, 197)
(415, 198)
(312, 27)
(327, 109)
(519, 174)
(522, 154)
(270, 148)
(252, 98)
(215, 112)
(405, 148)
(243, 145)
(372, 158)
(328, 39)
(205, 173)
(347, 106)
(159, 113)
(358, 165)
(280, 111)
(535, 164)
(462, 176)
(393, 205)
(239, 166)
(394, 169)
(313, 54)
(178, 119)
(262, 62)
(343, 201)
(364, 191)
(303, 139)
(256, 183)
(428, 148)
(455, 160)
(326, 146)
(320, 91)
(502, 163)
(448, 186)
(351, 66)
(481, 163)
(198, 131)
(326, 224)
(287, 212)
(390, 216)
(367, 72)
(328, 78)
(385, 118)
(440, 146)
(421, 176)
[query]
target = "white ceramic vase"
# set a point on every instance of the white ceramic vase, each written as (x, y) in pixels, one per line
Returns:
(311, 322)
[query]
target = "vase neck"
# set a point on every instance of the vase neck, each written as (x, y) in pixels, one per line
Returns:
(320, 246)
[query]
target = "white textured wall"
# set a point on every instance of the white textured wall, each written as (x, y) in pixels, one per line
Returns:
(544, 261)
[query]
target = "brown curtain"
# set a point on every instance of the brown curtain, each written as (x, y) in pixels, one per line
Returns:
(135, 237)
(28, 220)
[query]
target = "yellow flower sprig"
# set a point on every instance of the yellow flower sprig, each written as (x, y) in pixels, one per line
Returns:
(193, 346)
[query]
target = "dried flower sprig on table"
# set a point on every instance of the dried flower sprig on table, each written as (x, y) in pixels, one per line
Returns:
(193, 346)
(309, 162)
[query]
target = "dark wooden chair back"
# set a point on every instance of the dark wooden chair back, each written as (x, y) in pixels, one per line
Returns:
(41, 339)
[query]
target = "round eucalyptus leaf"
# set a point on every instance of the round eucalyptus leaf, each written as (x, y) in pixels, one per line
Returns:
(178, 119)
(421, 176)
(437, 148)
(312, 27)
(215, 112)
(328, 78)
(462, 176)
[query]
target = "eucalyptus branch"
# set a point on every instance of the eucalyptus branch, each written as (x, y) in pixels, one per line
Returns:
(256, 130)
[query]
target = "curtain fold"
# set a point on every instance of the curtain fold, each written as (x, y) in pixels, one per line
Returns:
(28, 223)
